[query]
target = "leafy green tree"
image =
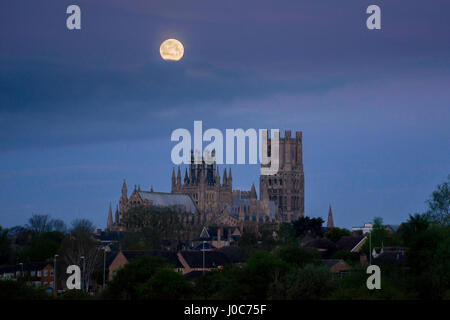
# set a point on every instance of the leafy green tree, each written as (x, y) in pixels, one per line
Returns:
(429, 264)
(298, 256)
(353, 286)
(286, 233)
(252, 280)
(334, 234)
(439, 204)
(216, 284)
(311, 282)
(349, 257)
(248, 240)
(156, 224)
(134, 241)
(307, 225)
(166, 284)
(261, 271)
(20, 290)
(380, 237)
(5, 247)
(75, 295)
(42, 247)
(415, 225)
(125, 283)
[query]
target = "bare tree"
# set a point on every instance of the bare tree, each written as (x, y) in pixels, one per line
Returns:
(79, 248)
(58, 225)
(39, 223)
(84, 225)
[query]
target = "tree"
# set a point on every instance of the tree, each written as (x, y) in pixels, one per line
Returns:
(262, 270)
(126, 282)
(83, 225)
(305, 225)
(428, 261)
(415, 225)
(298, 256)
(156, 224)
(334, 234)
(80, 244)
(39, 224)
(166, 284)
(311, 282)
(5, 247)
(248, 240)
(286, 233)
(439, 204)
(20, 290)
(58, 225)
(353, 286)
(42, 247)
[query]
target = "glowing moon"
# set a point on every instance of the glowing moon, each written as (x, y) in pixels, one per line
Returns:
(171, 50)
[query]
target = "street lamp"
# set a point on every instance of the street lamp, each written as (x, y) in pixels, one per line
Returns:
(104, 267)
(21, 265)
(204, 257)
(54, 273)
(82, 275)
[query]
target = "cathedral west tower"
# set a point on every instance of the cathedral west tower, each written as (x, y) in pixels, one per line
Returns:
(287, 187)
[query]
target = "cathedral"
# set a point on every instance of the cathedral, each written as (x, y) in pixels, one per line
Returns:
(210, 200)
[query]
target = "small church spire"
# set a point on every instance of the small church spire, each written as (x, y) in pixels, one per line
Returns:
(124, 189)
(253, 192)
(330, 222)
(186, 177)
(179, 177)
(225, 180)
(110, 219)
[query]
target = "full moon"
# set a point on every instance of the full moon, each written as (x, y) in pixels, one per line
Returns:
(171, 50)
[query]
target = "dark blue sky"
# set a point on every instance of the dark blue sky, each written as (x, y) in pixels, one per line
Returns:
(81, 110)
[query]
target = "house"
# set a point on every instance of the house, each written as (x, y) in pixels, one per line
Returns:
(202, 260)
(366, 228)
(40, 274)
(337, 266)
(351, 243)
(392, 228)
(323, 245)
(123, 257)
(389, 256)
(218, 236)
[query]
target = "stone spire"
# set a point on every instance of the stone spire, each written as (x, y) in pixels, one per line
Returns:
(110, 219)
(330, 223)
(230, 177)
(124, 190)
(179, 178)
(186, 177)
(225, 180)
(253, 192)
